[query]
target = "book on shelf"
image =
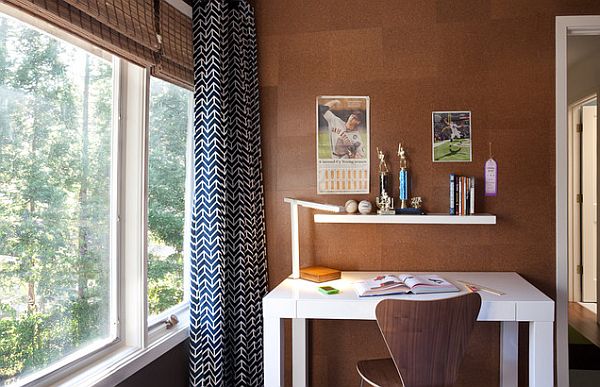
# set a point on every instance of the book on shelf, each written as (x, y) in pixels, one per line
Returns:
(387, 284)
(472, 194)
(452, 183)
(462, 195)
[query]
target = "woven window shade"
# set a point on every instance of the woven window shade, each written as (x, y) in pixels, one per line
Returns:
(133, 18)
(176, 62)
(127, 29)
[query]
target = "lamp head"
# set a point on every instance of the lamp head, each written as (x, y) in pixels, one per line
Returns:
(316, 206)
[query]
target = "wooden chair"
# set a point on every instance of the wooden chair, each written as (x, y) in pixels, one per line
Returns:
(426, 339)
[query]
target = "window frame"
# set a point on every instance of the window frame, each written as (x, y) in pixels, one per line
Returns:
(156, 324)
(137, 341)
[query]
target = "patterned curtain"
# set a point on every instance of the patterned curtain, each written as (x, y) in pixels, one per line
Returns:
(229, 276)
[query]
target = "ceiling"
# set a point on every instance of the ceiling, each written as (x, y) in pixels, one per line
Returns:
(581, 47)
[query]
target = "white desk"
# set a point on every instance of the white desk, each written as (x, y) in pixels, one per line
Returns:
(300, 300)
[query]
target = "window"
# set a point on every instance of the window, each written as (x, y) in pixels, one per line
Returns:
(169, 120)
(93, 179)
(56, 109)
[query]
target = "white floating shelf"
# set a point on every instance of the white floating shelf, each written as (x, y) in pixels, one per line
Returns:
(407, 219)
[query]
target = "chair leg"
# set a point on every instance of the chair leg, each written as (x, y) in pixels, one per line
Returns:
(362, 382)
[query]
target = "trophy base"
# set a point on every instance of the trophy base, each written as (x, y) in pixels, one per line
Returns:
(386, 212)
(409, 211)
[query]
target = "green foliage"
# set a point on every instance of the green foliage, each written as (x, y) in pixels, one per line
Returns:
(168, 128)
(56, 109)
(47, 309)
(166, 192)
(165, 282)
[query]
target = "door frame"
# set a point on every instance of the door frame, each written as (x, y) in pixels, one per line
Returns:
(565, 26)
(574, 229)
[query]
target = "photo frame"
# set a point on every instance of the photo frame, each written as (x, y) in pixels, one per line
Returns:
(451, 136)
(343, 144)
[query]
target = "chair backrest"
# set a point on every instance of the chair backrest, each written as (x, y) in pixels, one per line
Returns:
(428, 339)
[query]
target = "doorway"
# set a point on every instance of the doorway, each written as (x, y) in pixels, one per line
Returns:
(583, 68)
(567, 27)
(577, 85)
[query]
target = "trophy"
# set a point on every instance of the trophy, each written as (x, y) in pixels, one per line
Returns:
(416, 202)
(384, 201)
(403, 177)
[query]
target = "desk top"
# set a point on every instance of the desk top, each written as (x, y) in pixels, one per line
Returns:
(297, 298)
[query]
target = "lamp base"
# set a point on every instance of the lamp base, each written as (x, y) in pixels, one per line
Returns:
(319, 274)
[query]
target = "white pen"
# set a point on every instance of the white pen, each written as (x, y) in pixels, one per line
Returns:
(482, 288)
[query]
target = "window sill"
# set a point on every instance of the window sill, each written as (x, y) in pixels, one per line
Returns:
(156, 324)
(125, 361)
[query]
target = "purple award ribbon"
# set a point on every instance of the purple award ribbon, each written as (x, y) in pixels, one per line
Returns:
(491, 177)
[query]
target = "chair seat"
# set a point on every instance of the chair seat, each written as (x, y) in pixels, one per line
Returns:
(379, 373)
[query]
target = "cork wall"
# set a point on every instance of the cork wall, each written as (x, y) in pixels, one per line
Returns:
(492, 57)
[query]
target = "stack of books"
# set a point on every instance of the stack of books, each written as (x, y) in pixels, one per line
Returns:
(462, 195)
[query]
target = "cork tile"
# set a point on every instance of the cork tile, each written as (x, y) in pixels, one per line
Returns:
(296, 110)
(355, 14)
(268, 60)
(347, 247)
(357, 54)
(291, 16)
(511, 9)
(268, 124)
(462, 11)
(409, 13)
(577, 7)
(410, 52)
(460, 50)
(308, 58)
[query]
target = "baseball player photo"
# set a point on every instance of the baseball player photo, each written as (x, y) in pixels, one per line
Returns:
(342, 145)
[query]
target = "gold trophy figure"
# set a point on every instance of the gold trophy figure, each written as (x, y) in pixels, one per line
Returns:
(384, 201)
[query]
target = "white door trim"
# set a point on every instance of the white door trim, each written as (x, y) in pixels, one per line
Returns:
(565, 25)
(573, 212)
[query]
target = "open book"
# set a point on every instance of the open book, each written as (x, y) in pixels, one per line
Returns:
(387, 284)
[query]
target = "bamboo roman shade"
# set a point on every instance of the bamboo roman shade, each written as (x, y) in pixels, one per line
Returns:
(176, 62)
(132, 18)
(150, 33)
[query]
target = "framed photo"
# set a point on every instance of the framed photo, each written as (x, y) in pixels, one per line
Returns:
(451, 136)
(342, 145)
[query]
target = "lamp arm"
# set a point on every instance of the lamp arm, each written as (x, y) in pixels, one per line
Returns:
(294, 203)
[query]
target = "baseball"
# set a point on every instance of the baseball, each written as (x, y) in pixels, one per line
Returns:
(365, 207)
(351, 206)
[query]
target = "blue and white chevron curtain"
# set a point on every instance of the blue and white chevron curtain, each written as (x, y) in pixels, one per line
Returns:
(229, 269)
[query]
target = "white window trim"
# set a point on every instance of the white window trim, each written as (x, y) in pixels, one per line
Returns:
(141, 345)
(137, 344)
(156, 324)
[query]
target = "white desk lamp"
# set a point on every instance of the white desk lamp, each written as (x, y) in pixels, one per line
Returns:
(294, 203)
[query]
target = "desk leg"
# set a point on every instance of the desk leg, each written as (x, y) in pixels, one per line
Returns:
(273, 352)
(541, 354)
(509, 353)
(299, 355)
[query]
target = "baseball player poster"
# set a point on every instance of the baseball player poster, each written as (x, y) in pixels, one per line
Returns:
(451, 133)
(342, 145)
